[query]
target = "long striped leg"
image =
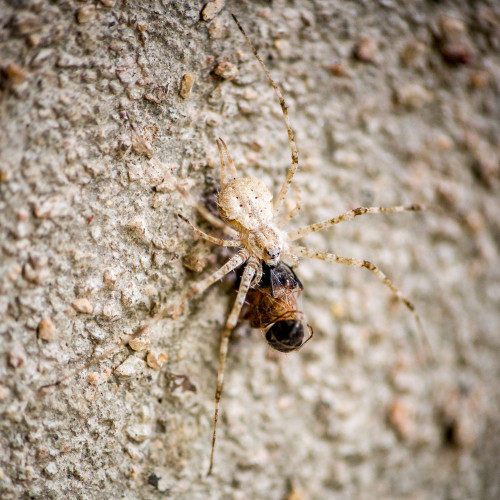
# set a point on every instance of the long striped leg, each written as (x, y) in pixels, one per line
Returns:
(231, 322)
(303, 231)
(194, 289)
(141, 145)
(331, 257)
(284, 109)
(290, 215)
(212, 239)
(201, 209)
(232, 168)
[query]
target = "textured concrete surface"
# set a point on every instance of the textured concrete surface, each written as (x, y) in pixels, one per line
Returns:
(392, 103)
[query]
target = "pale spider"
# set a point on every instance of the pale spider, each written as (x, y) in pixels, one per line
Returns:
(250, 220)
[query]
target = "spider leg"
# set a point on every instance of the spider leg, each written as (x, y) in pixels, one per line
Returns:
(212, 239)
(232, 168)
(201, 209)
(222, 164)
(284, 109)
(137, 138)
(303, 231)
(331, 257)
(231, 322)
(257, 277)
(194, 289)
(292, 213)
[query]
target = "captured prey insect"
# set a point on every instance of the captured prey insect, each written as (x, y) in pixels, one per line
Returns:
(273, 305)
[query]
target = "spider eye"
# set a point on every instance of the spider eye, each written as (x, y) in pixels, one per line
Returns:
(273, 253)
(286, 335)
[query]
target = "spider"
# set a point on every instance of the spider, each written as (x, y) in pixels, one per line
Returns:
(249, 217)
(251, 223)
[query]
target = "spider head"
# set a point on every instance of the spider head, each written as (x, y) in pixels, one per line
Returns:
(266, 244)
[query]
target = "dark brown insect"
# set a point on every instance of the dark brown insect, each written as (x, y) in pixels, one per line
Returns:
(273, 305)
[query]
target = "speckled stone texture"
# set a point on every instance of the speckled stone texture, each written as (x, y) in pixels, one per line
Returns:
(392, 103)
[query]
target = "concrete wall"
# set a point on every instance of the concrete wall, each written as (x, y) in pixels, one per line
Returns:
(392, 103)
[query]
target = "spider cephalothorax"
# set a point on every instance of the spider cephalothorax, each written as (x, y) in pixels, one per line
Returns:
(246, 205)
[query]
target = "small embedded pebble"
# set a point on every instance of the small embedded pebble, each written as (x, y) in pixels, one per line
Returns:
(226, 70)
(115, 87)
(139, 343)
(195, 262)
(138, 432)
(27, 23)
(337, 310)
(338, 69)
(156, 359)
(97, 333)
(93, 378)
(15, 73)
(112, 310)
(413, 96)
(110, 276)
(96, 378)
(479, 79)
(30, 274)
(85, 14)
(400, 418)
(217, 29)
(4, 392)
(136, 225)
(284, 48)
(367, 49)
(211, 9)
(413, 54)
(463, 432)
(82, 306)
(131, 367)
(186, 85)
(457, 53)
(16, 358)
(455, 46)
(46, 329)
(51, 469)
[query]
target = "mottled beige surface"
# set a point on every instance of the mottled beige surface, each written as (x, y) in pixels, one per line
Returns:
(392, 103)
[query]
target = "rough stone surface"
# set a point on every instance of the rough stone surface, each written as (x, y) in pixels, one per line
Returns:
(355, 414)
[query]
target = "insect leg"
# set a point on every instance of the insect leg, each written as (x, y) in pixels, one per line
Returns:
(303, 231)
(201, 209)
(231, 322)
(331, 257)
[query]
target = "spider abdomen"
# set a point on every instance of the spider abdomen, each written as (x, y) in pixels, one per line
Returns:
(246, 204)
